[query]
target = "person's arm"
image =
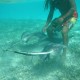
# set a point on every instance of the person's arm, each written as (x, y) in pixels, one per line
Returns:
(50, 15)
(71, 11)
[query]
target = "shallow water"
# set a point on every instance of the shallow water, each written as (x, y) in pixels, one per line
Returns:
(19, 67)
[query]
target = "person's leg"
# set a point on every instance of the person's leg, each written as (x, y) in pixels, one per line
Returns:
(50, 33)
(65, 30)
(50, 30)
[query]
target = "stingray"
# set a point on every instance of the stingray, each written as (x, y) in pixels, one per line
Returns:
(46, 53)
(32, 38)
(36, 44)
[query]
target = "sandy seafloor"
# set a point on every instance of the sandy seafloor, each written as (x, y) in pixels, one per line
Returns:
(19, 67)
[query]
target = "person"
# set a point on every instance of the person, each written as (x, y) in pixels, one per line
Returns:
(65, 21)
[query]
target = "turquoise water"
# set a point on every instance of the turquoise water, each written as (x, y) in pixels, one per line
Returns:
(29, 17)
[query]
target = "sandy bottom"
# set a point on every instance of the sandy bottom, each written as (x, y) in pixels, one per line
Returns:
(20, 67)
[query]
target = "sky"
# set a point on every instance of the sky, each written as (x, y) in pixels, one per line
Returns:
(25, 9)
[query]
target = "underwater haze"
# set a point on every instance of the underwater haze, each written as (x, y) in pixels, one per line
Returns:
(21, 24)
